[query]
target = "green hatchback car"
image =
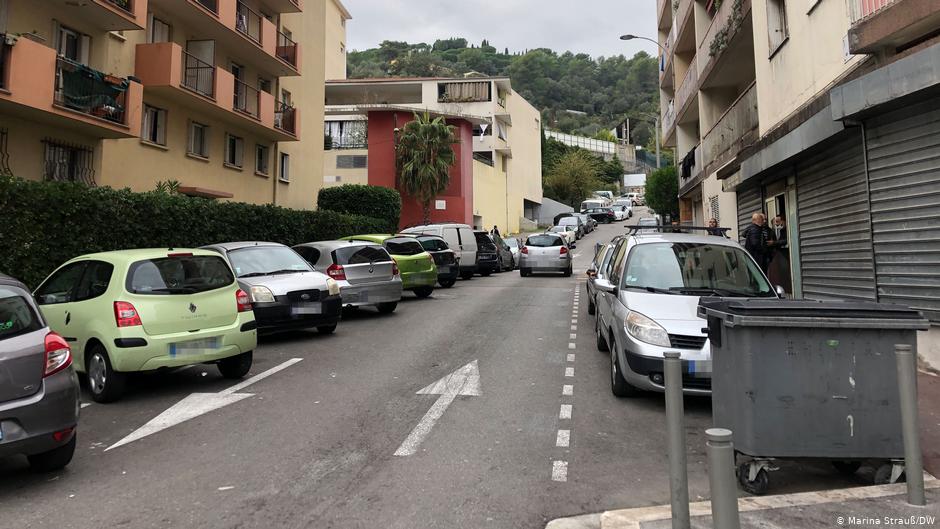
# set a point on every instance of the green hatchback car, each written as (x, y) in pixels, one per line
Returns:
(417, 268)
(143, 310)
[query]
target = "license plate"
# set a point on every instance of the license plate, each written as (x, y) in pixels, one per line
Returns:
(363, 297)
(194, 347)
(305, 308)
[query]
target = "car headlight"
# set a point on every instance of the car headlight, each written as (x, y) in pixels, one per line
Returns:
(262, 295)
(332, 286)
(646, 330)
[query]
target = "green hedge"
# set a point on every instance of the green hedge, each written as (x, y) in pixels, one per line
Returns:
(43, 224)
(372, 201)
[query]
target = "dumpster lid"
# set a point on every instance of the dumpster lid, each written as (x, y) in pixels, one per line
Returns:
(811, 313)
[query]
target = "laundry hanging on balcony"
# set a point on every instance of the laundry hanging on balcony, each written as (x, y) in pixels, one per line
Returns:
(90, 91)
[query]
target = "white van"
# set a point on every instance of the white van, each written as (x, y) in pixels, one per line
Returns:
(461, 240)
(593, 203)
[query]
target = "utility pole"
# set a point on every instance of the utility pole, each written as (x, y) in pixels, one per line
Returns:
(658, 165)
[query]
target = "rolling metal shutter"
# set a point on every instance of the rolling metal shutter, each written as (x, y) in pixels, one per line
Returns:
(835, 232)
(749, 202)
(904, 171)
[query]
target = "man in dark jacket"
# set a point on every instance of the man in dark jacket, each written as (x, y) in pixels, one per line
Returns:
(755, 240)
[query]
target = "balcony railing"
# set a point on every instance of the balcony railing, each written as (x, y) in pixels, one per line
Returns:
(79, 88)
(211, 5)
(247, 99)
(248, 22)
(4, 59)
(198, 76)
(859, 9)
(285, 117)
(688, 88)
(286, 49)
(726, 138)
(126, 5)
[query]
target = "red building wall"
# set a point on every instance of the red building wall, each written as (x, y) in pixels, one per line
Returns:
(459, 193)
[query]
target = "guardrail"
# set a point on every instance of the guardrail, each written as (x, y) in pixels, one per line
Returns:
(285, 117)
(859, 9)
(211, 5)
(82, 89)
(4, 59)
(248, 22)
(247, 99)
(286, 49)
(198, 76)
(126, 5)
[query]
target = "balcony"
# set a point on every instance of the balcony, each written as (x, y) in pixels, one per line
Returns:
(736, 128)
(235, 27)
(690, 169)
(730, 31)
(37, 85)
(668, 119)
(107, 15)
(890, 24)
(687, 90)
(168, 71)
(489, 142)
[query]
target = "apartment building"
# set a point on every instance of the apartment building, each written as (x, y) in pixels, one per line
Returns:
(211, 94)
(497, 180)
(840, 138)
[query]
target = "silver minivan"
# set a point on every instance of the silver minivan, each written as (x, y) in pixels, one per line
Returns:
(461, 240)
(366, 273)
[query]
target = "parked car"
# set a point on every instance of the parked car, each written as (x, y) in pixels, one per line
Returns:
(647, 305)
(506, 260)
(589, 223)
(636, 199)
(557, 220)
(546, 252)
(488, 254)
(622, 211)
(416, 266)
(598, 271)
(286, 291)
(142, 310)
(571, 236)
(514, 246)
(459, 238)
(609, 195)
(577, 223)
(367, 275)
(39, 392)
(601, 215)
(448, 265)
(592, 203)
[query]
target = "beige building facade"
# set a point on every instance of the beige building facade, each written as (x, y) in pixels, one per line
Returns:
(216, 95)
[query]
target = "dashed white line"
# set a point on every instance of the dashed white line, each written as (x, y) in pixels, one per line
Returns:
(565, 411)
(574, 327)
(570, 357)
(571, 345)
(574, 320)
(567, 390)
(569, 371)
(560, 471)
(563, 438)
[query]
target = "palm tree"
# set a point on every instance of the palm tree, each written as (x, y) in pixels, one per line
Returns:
(424, 157)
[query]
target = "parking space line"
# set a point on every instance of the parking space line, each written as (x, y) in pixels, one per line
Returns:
(259, 377)
(563, 438)
(569, 371)
(567, 390)
(85, 405)
(565, 411)
(570, 357)
(560, 471)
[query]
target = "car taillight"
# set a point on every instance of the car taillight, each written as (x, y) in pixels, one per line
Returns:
(563, 250)
(243, 301)
(58, 354)
(336, 272)
(525, 250)
(125, 315)
(395, 270)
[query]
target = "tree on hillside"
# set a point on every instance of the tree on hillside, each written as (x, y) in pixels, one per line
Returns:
(662, 191)
(424, 156)
(573, 178)
(611, 173)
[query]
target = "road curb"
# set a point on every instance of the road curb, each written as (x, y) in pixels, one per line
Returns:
(633, 518)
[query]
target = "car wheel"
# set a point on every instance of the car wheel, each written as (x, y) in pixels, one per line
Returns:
(423, 292)
(568, 271)
(446, 283)
(466, 275)
(486, 273)
(499, 264)
(601, 340)
(106, 384)
(760, 484)
(592, 309)
(236, 366)
(524, 272)
(326, 329)
(53, 459)
(618, 384)
(387, 308)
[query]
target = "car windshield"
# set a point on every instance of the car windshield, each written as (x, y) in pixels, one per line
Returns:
(568, 221)
(403, 246)
(16, 314)
(558, 229)
(544, 241)
(695, 269)
(178, 275)
(484, 242)
(254, 261)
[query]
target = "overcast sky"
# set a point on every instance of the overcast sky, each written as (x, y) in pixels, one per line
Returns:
(585, 26)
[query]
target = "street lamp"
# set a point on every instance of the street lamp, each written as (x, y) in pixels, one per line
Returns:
(632, 37)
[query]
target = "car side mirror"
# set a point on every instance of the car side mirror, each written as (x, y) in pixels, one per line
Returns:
(605, 286)
(780, 291)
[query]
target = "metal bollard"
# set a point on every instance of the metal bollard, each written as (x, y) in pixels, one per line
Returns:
(675, 431)
(724, 488)
(907, 385)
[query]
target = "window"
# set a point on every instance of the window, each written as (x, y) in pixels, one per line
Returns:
(284, 167)
(94, 281)
(68, 163)
(351, 161)
(159, 30)
(713, 208)
(72, 45)
(234, 151)
(777, 30)
(544, 241)
(154, 127)
(60, 286)
(262, 154)
(16, 313)
(266, 260)
(464, 92)
(403, 246)
(264, 85)
(311, 255)
(198, 139)
(342, 48)
(353, 255)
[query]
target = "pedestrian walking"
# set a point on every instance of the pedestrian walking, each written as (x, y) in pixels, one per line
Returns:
(495, 231)
(754, 239)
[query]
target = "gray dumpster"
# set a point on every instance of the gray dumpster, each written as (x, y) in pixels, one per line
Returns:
(808, 379)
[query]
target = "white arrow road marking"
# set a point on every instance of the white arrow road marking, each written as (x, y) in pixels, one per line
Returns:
(464, 381)
(198, 404)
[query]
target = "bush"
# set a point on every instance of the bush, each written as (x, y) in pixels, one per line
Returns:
(47, 223)
(371, 201)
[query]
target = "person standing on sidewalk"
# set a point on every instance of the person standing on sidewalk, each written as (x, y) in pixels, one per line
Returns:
(770, 241)
(779, 272)
(495, 231)
(754, 240)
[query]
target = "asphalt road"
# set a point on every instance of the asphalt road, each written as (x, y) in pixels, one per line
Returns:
(313, 445)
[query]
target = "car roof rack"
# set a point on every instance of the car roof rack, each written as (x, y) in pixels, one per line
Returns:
(659, 228)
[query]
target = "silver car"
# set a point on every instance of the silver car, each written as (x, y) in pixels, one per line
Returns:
(648, 299)
(597, 271)
(286, 291)
(547, 252)
(589, 223)
(514, 248)
(568, 232)
(366, 273)
(38, 387)
(574, 222)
